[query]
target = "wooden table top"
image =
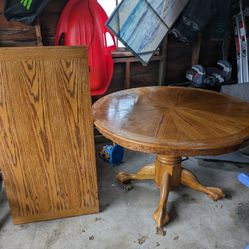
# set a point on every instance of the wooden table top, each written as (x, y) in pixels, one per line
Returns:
(173, 120)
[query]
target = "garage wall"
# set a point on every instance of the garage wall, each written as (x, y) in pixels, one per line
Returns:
(178, 54)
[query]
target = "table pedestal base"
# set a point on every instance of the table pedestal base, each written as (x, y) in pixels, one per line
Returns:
(167, 174)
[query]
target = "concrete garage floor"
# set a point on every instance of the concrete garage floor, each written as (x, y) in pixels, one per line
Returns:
(126, 220)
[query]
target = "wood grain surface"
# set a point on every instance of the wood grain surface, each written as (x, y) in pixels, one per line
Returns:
(173, 121)
(46, 133)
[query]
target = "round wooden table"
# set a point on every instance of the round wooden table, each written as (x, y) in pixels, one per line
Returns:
(172, 122)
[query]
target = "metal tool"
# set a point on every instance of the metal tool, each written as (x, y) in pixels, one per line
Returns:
(241, 40)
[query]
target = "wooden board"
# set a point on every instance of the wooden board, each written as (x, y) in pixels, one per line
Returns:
(46, 133)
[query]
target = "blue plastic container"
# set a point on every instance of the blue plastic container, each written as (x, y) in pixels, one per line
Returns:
(244, 179)
(112, 153)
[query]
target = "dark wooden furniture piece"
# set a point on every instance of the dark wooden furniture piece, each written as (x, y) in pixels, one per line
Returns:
(172, 122)
(47, 153)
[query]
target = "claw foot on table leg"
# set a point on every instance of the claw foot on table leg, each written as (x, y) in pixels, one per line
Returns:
(161, 215)
(123, 179)
(160, 231)
(215, 193)
(190, 180)
(145, 173)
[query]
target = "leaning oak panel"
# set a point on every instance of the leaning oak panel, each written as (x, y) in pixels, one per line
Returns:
(46, 133)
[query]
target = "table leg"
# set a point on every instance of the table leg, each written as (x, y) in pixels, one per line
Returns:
(145, 173)
(167, 176)
(190, 180)
(161, 215)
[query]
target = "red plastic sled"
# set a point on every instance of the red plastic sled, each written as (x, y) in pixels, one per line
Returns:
(82, 22)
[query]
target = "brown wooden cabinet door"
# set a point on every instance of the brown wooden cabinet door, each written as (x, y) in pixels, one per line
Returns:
(46, 133)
